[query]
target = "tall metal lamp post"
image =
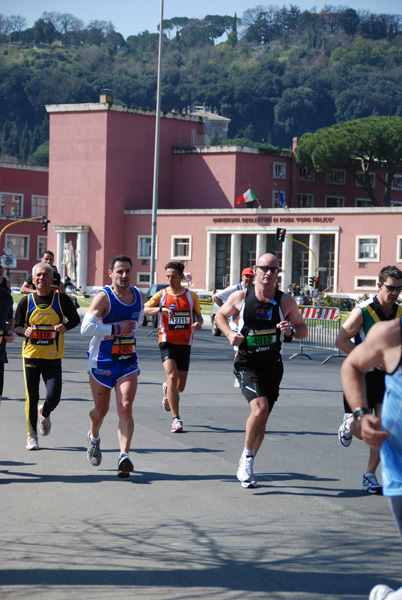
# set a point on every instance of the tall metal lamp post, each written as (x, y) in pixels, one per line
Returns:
(156, 154)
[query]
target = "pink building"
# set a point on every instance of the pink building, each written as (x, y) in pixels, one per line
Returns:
(24, 194)
(100, 200)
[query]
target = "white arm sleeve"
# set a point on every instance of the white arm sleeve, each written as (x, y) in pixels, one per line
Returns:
(92, 325)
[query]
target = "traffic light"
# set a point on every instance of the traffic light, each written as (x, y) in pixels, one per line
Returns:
(280, 234)
(316, 282)
(311, 281)
(44, 224)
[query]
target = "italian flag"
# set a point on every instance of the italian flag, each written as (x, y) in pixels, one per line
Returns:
(248, 196)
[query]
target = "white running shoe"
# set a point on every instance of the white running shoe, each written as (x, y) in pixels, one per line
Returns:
(344, 434)
(44, 422)
(165, 401)
(94, 454)
(380, 592)
(177, 425)
(32, 442)
(371, 485)
(245, 472)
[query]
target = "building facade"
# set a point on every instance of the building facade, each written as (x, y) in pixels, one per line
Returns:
(101, 194)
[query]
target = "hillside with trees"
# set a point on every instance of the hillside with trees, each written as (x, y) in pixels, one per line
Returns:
(275, 72)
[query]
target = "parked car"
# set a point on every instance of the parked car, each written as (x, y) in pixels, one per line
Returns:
(214, 327)
(151, 292)
(204, 298)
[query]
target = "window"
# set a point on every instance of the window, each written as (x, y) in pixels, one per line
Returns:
(39, 206)
(396, 182)
(19, 244)
(144, 246)
(334, 201)
(17, 278)
(181, 247)
(335, 176)
(143, 279)
(363, 202)
(305, 200)
(367, 249)
(275, 199)
(399, 249)
(363, 283)
(361, 174)
(279, 170)
(42, 246)
(305, 174)
(11, 205)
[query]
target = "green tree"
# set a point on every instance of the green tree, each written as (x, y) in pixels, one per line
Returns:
(365, 145)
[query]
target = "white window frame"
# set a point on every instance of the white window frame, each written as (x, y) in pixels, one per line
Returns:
(39, 250)
(275, 198)
(359, 287)
(372, 178)
(190, 244)
(399, 248)
(359, 238)
(140, 281)
(305, 174)
(139, 254)
(34, 207)
(16, 272)
(397, 176)
(363, 202)
(279, 170)
(311, 205)
(336, 176)
(21, 213)
(338, 198)
(18, 235)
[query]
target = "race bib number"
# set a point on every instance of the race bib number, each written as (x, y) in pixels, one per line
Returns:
(260, 340)
(181, 320)
(123, 348)
(43, 335)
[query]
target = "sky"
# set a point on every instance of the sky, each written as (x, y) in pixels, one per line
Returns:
(131, 17)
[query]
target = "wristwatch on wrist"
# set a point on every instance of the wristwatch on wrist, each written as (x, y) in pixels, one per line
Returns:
(359, 412)
(160, 309)
(292, 331)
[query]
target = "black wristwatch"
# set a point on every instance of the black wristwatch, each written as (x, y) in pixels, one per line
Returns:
(359, 412)
(160, 309)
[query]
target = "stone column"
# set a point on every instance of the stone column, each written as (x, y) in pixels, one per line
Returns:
(82, 259)
(211, 262)
(315, 247)
(287, 261)
(61, 239)
(261, 245)
(235, 250)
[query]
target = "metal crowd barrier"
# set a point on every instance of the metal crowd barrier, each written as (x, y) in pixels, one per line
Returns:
(323, 325)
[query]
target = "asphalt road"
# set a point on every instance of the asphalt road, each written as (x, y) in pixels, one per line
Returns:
(182, 527)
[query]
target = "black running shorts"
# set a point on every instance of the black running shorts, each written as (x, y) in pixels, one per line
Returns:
(255, 384)
(375, 384)
(177, 352)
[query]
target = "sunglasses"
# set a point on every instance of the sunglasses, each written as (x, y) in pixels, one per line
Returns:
(393, 288)
(266, 269)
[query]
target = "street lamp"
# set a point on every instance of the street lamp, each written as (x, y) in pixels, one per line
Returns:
(156, 155)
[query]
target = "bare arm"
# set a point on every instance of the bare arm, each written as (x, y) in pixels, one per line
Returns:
(231, 308)
(349, 330)
(364, 357)
(293, 317)
(217, 300)
(26, 288)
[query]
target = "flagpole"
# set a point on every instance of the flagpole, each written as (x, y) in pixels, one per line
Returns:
(156, 155)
